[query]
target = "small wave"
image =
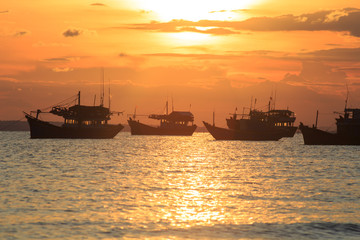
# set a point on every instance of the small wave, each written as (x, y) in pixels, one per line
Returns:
(315, 230)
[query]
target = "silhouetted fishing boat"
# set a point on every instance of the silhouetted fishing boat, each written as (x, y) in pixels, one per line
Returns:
(256, 125)
(176, 123)
(249, 134)
(348, 130)
(79, 122)
(282, 120)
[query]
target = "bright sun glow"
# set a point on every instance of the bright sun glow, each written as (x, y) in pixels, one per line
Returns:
(195, 10)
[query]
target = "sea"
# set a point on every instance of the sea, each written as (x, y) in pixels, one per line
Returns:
(165, 187)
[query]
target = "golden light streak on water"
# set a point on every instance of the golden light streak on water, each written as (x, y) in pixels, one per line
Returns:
(177, 187)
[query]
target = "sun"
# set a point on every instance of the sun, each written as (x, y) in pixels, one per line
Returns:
(195, 10)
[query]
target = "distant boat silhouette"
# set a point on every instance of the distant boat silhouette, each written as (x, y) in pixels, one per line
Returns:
(348, 130)
(79, 122)
(177, 123)
(257, 125)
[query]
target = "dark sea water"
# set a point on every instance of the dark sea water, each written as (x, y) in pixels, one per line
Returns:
(177, 188)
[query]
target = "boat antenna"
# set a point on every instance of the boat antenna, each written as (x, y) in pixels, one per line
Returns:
(102, 89)
(79, 98)
(172, 103)
(347, 95)
(269, 107)
(214, 117)
(251, 103)
(109, 95)
(274, 100)
(134, 116)
(167, 107)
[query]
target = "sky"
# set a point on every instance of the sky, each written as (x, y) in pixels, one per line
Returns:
(202, 56)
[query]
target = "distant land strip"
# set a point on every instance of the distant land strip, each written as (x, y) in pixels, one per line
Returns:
(14, 126)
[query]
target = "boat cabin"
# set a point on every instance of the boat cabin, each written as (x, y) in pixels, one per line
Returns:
(281, 118)
(278, 118)
(80, 114)
(174, 118)
(349, 123)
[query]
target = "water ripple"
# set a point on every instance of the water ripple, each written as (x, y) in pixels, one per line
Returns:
(177, 188)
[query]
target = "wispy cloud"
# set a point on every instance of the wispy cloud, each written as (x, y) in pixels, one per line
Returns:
(66, 69)
(20, 33)
(347, 20)
(316, 73)
(63, 59)
(335, 54)
(98, 4)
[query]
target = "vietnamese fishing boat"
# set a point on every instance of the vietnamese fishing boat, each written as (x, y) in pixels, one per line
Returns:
(177, 123)
(80, 121)
(348, 130)
(282, 120)
(247, 134)
(256, 125)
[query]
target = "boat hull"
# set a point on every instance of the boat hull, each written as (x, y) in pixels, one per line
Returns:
(314, 136)
(138, 128)
(42, 129)
(253, 125)
(288, 131)
(248, 135)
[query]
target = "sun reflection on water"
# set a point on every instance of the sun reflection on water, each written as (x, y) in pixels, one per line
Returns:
(174, 187)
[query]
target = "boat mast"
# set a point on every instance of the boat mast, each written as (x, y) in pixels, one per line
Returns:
(79, 98)
(167, 107)
(109, 94)
(214, 118)
(347, 96)
(134, 116)
(317, 117)
(251, 103)
(274, 101)
(102, 90)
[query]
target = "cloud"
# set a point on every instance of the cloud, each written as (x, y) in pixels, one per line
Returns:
(98, 4)
(319, 77)
(14, 33)
(57, 59)
(122, 54)
(335, 20)
(66, 69)
(203, 26)
(72, 33)
(335, 54)
(4, 11)
(344, 20)
(20, 33)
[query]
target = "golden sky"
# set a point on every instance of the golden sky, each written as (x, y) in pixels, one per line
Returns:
(212, 55)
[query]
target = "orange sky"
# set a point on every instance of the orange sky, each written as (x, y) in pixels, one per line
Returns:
(212, 55)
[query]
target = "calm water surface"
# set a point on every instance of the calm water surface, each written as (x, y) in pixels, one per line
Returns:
(177, 188)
